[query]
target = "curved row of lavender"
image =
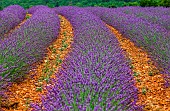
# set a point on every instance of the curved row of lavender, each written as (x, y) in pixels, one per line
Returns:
(156, 10)
(160, 10)
(95, 75)
(154, 38)
(27, 45)
(10, 17)
(34, 8)
(160, 17)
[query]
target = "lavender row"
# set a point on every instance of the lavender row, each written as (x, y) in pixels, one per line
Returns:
(157, 10)
(35, 8)
(10, 17)
(27, 45)
(155, 17)
(152, 37)
(95, 75)
(160, 11)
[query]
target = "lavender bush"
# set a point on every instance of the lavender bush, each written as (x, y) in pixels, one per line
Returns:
(10, 17)
(34, 8)
(154, 38)
(27, 44)
(95, 75)
(158, 10)
(4, 83)
(148, 14)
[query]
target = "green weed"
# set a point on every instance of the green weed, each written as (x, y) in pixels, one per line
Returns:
(135, 74)
(144, 90)
(65, 45)
(27, 16)
(39, 88)
(150, 73)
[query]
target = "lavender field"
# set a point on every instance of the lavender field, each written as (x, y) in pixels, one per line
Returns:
(78, 59)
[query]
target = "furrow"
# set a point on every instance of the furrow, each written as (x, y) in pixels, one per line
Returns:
(149, 81)
(18, 26)
(22, 94)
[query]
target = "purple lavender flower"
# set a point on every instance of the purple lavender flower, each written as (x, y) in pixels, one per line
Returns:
(95, 75)
(27, 45)
(10, 17)
(35, 8)
(145, 31)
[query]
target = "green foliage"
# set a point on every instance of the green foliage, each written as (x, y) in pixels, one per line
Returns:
(146, 3)
(27, 17)
(150, 73)
(165, 3)
(52, 48)
(132, 4)
(144, 90)
(39, 89)
(135, 74)
(84, 3)
(81, 3)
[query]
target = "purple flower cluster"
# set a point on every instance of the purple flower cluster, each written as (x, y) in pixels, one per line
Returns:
(149, 14)
(95, 75)
(4, 83)
(34, 8)
(27, 44)
(152, 37)
(10, 17)
(158, 10)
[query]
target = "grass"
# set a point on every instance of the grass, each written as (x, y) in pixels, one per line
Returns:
(27, 16)
(150, 73)
(144, 90)
(39, 88)
(52, 48)
(135, 74)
